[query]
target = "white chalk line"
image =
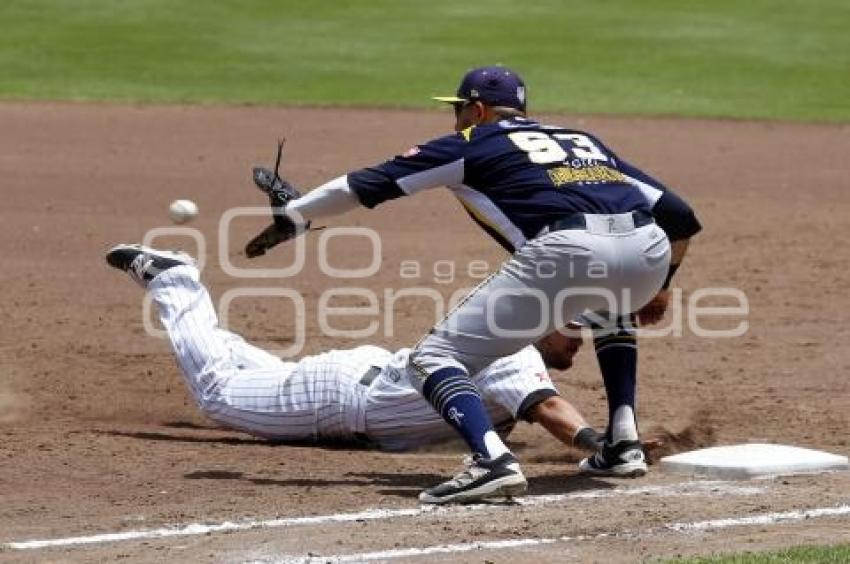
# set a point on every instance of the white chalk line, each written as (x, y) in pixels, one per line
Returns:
(763, 519)
(193, 529)
(700, 526)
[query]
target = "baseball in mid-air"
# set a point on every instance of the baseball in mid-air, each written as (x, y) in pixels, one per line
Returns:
(182, 211)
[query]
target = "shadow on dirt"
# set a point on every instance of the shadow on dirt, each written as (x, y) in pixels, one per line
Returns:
(157, 436)
(564, 484)
(236, 440)
(409, 485)
(189, 425)
(414, 482)
(404, 485)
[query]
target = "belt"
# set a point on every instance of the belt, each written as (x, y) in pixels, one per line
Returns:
(579, 221)
(370, 375)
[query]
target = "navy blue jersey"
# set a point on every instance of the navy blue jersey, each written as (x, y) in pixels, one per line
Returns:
(514, 177)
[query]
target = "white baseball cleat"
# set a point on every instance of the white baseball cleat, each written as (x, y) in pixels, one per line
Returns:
(622, 460)
(482, 478)
(143, 264)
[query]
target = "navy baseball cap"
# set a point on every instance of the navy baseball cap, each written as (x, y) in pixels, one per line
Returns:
(495, 86)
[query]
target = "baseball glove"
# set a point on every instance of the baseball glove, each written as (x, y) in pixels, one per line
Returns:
(280, 193)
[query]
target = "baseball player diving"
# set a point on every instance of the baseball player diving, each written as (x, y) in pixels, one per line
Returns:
(360, 395)
(588, 233)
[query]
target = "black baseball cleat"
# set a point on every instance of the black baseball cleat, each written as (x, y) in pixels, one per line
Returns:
(623, 460)
(482, 478)
(143, 264)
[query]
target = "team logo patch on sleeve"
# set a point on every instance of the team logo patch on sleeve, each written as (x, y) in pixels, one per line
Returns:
(412, 152)
(543, 377)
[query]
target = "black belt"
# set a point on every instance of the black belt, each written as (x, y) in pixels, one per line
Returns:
(370, 375)
(578, 221)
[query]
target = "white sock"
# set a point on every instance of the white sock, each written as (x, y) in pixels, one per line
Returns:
(494, 444)
(624, 427)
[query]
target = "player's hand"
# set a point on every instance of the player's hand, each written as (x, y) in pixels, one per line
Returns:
(283, 229)
(285, 226)
(280, 193)
(653, 312)
(279, 190)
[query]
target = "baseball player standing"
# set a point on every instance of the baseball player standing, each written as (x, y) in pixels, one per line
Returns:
(576, 218)
(354, 395)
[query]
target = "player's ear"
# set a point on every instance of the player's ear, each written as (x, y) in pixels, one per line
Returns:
(481, 112)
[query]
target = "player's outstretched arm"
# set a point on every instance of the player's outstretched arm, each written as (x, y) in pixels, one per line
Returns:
(436, 163)
(564, 422)
(332, 198)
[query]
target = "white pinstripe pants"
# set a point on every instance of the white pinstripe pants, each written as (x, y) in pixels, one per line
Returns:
(245, 387)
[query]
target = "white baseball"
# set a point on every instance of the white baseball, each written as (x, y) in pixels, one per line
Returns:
(182, 211)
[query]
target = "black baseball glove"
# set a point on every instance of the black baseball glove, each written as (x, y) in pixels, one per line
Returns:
(280, 193)
(272, 236)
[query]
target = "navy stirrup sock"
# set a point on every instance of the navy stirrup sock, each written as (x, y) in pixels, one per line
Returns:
(453, 395)
(617, 356)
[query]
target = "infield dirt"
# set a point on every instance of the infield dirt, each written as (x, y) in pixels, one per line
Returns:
(97, 433)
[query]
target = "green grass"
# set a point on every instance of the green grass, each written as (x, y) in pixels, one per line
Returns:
(801, 554)
(787, 59)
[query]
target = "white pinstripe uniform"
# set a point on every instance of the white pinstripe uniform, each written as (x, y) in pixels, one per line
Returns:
(357, 393)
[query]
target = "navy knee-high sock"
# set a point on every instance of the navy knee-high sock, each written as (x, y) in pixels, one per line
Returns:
(616, 351)
(451, 392)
